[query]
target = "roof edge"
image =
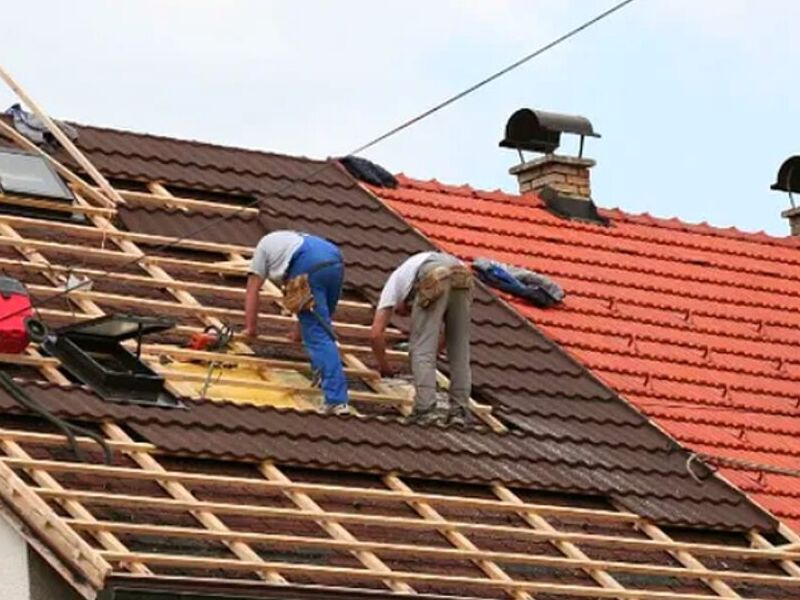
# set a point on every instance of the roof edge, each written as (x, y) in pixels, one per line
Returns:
(161, 587)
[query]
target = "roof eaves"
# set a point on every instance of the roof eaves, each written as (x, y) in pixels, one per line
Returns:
(132, 587)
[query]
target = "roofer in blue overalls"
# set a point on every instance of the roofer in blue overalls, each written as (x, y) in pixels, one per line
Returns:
(311, 271)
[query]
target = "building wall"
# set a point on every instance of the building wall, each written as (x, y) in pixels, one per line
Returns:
(14, 574)
(45, 583)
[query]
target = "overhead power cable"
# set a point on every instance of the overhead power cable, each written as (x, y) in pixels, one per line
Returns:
(370, 144)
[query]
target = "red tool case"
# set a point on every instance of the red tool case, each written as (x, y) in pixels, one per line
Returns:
(15, 311)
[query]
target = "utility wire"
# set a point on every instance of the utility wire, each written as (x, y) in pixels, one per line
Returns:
(493, 76)
(392, 132)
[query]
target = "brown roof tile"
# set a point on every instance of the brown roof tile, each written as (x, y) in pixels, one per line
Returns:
(571, 433)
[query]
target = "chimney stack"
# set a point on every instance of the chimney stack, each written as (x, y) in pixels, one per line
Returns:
(563, 182)
(566, 174)
(788, 180)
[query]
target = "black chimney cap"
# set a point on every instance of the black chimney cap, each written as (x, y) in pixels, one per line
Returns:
(788, 179)
(540, 131)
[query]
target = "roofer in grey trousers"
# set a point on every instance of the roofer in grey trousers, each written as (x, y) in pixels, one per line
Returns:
(436, 289)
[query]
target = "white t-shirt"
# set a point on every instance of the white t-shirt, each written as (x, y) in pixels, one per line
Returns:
(274, 253)
(400, 282)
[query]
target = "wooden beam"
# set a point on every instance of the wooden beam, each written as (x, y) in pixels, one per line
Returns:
(200, 206)
(173, 375)
(204, 517)
(190, 329)
(327, 490)
(43, 519)
(75, 181)
(178, 308)
(568, 549)
(28, 360)
(62, 138)
(194, 562)
(225, 291)
(94, 233)
(336, 530)
(72, 506)
(38, 203)
(684, 557)
(789, 566)
(286, 513)
(242, 359)
(52, 439)
(421, 551)
(111, 255)
(159, 190)
(460, 542)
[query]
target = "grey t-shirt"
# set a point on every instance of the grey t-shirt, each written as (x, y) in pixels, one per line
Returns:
(398, 286)
(274, 253)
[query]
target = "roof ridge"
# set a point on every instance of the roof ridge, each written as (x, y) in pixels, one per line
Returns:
(699, 228)
(194, 142)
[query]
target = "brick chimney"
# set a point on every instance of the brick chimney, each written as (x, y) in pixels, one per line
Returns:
(793, 216)
(567, 174)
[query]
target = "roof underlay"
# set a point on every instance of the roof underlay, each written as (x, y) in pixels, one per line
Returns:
(230, 491)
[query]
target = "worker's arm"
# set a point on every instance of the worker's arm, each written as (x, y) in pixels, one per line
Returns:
(378, 339)
(251, 301)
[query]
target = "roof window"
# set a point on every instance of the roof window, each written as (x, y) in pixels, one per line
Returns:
(92, 352)
(30, 186)
(28, 174)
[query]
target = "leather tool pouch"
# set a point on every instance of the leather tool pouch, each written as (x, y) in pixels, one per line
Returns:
(432, 285)
(461, 278)
(297, 295)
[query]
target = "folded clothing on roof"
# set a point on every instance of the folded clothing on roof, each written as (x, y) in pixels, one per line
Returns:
(35, 130)
(534, 287)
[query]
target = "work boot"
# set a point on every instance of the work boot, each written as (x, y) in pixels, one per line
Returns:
(424, 416)
(334, 409)
(459, 416)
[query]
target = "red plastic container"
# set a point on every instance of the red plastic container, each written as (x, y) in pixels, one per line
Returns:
(15, 309)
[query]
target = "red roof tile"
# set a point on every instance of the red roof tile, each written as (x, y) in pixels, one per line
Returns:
(695, 325)
(569, 431)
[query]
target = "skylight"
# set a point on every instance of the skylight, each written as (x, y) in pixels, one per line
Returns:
(28, 174)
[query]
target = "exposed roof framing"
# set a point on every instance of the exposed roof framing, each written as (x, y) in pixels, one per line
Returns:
(89, 518)
(412, 510)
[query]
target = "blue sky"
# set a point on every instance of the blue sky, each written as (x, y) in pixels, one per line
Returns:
(696, 99)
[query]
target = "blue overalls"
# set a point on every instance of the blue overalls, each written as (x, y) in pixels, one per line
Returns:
(326, 286)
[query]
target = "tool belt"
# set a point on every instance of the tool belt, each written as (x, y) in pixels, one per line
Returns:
(431, 286)
(297, 295)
